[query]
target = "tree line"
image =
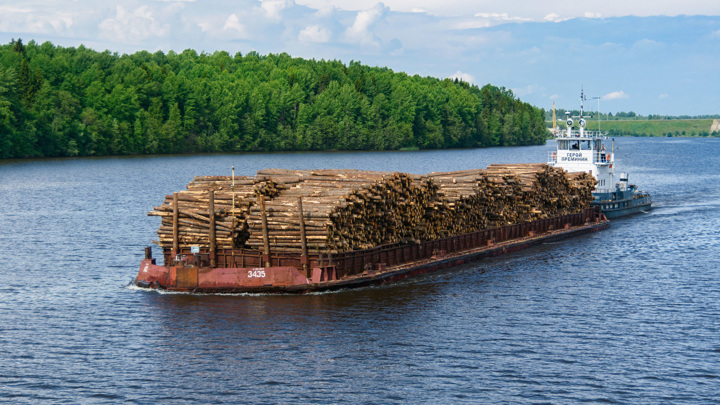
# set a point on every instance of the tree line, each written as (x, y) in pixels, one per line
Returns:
(65, 101)
(622, 115)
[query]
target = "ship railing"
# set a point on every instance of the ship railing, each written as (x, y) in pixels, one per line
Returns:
(375, 259)
(601, 157)
(585, 134)
(371, 260)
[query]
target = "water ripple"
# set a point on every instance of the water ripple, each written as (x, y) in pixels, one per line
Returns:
(628, 315)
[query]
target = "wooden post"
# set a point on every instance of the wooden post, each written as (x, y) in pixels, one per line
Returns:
(211, 211)
(175, 240)
(234, 218)
(303, 241)
(266, 236)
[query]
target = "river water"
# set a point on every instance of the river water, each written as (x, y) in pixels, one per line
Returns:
(627, 315)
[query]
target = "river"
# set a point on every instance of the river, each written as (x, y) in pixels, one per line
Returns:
(627, 315)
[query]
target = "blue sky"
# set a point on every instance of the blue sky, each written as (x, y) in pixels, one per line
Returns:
(651, 57)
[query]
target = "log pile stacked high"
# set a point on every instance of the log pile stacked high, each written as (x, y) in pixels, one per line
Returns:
(351, 209)
(194, 217)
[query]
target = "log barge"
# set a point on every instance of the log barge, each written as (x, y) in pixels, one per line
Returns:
(285, 231)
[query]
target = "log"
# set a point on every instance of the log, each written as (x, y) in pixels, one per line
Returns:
(352, 209)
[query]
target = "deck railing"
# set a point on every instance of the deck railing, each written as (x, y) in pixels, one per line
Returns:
(359, 261)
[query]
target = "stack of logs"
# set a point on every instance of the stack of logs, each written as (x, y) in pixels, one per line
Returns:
(231, 228)
(350, 209)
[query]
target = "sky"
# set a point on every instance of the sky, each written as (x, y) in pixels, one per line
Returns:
(646, 56)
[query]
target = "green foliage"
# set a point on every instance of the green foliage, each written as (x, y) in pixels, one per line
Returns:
(641, 128)
(624, 116)
(57, 101)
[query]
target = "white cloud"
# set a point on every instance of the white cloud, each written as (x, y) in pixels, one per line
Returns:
(647, 45)
(484, 20)
(274, 8)
(51, 24)
(552, 17)
(233, 24)
(133, 27)
(502, 16)
(472, 24)
(359, 32)
(615, 95)
(27, 19)
(533, 9)
(15, 10)
(467, 78)
(664, 95)
(314, 33)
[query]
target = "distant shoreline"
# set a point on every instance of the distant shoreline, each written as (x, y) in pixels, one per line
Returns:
(700, 128)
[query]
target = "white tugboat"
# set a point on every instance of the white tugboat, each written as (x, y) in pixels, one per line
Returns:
(584, 151)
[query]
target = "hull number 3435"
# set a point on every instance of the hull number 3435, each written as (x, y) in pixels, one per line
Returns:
(256, 273)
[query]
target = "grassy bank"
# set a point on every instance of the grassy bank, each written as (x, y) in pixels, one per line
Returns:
(675, 127)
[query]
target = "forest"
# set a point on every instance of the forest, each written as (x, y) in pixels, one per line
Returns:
(65, 101)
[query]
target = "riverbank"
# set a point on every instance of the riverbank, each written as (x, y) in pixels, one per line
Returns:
(657, 128)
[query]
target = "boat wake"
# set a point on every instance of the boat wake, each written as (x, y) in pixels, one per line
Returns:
(131, 286)
(685, 209)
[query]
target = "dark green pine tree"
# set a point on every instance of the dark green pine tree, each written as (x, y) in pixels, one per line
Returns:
(25, 81)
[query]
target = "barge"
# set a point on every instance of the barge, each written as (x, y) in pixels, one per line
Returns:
(249, 271)
(300, 231)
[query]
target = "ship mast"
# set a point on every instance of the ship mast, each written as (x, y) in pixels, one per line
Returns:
(582, 112)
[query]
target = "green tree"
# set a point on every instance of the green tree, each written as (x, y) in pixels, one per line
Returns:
(10, 144)
(57, 101)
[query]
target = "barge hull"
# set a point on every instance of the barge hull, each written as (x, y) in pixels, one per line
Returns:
(328, 276)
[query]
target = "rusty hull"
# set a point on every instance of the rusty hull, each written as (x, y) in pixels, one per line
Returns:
(356, 269)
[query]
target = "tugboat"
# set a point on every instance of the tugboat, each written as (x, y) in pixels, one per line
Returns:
(584, 151)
